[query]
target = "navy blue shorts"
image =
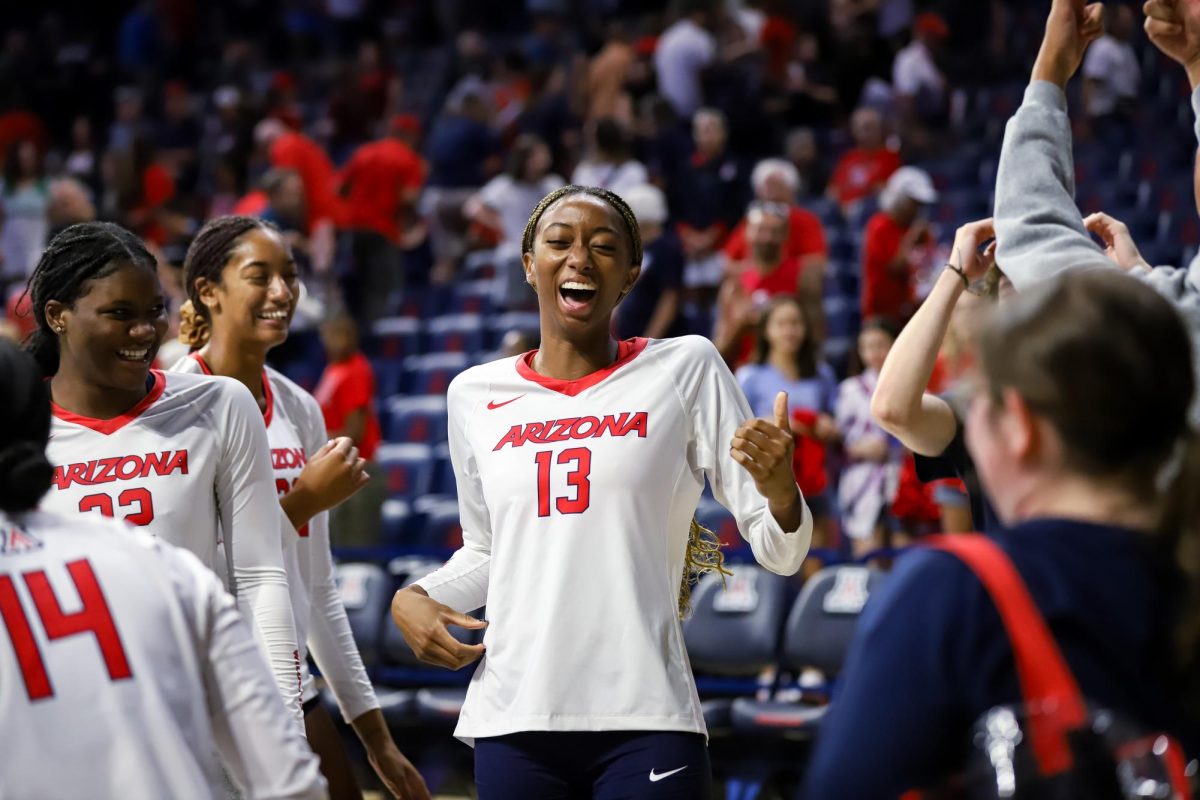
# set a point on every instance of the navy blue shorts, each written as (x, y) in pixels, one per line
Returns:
(625, 765)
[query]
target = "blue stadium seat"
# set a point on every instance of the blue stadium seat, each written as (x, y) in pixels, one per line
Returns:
(734, 631)
(423, 302)
(431, 374)
(525, 321)
(393, 338)
(457, 333)
(389, 376)
(444, 484)
(479, 265)
(417, 418)
(442, 528)
(842, 317)
(365, 590)
(472, 297)
(408, 469)
(817, 634)
(399, 522)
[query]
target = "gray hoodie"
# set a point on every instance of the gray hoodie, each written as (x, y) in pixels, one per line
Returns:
(1039, 229)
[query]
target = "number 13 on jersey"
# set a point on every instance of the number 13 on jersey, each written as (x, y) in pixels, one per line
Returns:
(578, 460)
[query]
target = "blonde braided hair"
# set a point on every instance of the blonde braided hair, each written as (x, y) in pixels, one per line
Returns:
(194, 328)
(703, 555)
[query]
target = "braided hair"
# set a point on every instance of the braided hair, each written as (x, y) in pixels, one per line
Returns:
(611, 198)
(206, 258)
(78, 254)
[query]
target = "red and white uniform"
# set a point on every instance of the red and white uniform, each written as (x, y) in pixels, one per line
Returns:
(189, 464)
(576, 499)
(296, 428)
(125, 668)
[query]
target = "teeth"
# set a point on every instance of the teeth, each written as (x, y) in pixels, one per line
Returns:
(134, 355)
(274, 315)
(585, 287)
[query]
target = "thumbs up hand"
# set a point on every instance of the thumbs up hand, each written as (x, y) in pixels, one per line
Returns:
(764, 448)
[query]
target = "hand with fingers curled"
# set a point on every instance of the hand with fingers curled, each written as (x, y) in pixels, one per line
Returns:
(1173, 26)
(1070, 28)
(1119, 245)
(423, 622)
(764, 448)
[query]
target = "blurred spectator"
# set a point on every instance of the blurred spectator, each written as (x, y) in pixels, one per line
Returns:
(812, 98)
(786, 359)
(178, 134)
(869, 478)
(140, 40)
(70, 203)
(607, 73)
(24, 207)
(323, 208)
(776, 181)
(462, 152)
(346, 394)
(139, 189)
(285, 205)
(863, 170)
(9, 331)
(83, 160)
(684, 51)
(800, 148)
(713, 192)
(1111, 79)
(652, 307)
(919, 84)
(768, 273)
(610, 164)
(896, 241)
(128, 123)
(382, 182)
(664, 145)
(502, 207)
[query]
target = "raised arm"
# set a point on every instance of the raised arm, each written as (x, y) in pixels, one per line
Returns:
(924, 422)
(1174, 28)
(1039, 230)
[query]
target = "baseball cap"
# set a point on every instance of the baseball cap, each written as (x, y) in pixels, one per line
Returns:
(647, 203)
(913, 183)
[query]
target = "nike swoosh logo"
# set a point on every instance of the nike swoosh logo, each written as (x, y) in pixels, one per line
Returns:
(492, 406)
(656, 777)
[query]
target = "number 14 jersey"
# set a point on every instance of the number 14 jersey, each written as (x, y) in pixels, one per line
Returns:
(576, 499)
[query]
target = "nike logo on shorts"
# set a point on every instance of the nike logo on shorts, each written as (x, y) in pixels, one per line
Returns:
(656, 777)
(492, 405)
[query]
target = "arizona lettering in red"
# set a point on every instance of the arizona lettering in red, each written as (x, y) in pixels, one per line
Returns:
(121, 468)
(288, 458)
(565, 430)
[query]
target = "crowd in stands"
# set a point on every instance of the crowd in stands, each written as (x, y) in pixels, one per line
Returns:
(797, 169)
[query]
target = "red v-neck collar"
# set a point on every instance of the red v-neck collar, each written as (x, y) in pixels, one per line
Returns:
(268, 395)
(627, 351)
(110, 426)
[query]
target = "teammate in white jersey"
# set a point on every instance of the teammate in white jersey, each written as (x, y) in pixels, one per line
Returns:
(242, 284)
(125, 668)
(183, 456)
(579, 467)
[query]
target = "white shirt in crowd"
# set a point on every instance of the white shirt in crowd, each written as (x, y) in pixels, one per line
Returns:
(1112, 65)
(189, 463)
(618, 178)
(684, 50)
(127, 670)
(296, 430)
(514, 201)
(915, 73)
(576, 499)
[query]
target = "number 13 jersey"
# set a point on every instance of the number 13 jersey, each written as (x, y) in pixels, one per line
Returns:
(575, 499)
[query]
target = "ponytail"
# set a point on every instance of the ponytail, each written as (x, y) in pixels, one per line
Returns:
(703, 555)
(194, 327)
(1179, 543)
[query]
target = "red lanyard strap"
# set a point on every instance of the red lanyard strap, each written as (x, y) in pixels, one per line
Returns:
(1051, 695)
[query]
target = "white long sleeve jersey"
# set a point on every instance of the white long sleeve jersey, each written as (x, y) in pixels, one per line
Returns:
(125, 670)
(296, 429)
(189, 463)
(576, 499)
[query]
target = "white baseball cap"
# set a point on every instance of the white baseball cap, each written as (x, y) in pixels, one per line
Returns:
(913, 183)
(647, 203)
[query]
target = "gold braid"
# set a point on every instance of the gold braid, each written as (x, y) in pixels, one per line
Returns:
(194, 328)
(703, 555)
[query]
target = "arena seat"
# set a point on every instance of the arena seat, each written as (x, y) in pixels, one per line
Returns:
(441, 527)
(457, 333)
(432, 373)
(817, 634)
(472, 297)
(393, 338)
(733, 632)
(400, 522)
(365, 590)
(416, 418)
(407, 467)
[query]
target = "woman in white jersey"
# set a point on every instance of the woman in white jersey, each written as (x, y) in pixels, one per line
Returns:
(579, 467)
(137, 692)
(183, 456)
(242, 283)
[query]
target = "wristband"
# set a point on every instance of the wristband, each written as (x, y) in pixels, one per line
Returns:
(961, 274)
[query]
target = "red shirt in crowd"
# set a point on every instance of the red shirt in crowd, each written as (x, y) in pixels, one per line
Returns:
(761, 287)
(860, 173)
(377, 176)
(293, 150)
(158, 187)
(345, 387)
(806, 237)
(886, 292)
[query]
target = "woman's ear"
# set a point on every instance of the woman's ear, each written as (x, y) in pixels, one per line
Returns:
(206, 290)
(1019, 427)
(527, 264)
(55, 312)
(634, 272)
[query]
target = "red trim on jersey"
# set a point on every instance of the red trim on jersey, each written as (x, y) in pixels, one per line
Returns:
(269, 411)
(627, 351)
(110, 426)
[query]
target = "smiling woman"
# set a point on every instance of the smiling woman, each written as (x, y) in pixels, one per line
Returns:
(579, 467)
(205, 474)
